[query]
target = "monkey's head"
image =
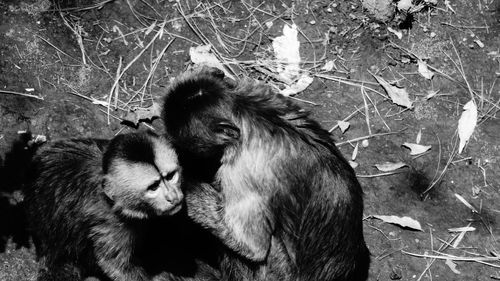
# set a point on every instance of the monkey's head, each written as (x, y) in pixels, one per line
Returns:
(142, 176)
(197, 116)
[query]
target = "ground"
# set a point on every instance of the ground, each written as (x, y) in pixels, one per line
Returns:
(94, 68)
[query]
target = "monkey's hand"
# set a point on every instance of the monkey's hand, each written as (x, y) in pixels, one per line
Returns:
(113, 246)
(205, 206)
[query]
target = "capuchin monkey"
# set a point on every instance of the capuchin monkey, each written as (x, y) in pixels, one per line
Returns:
(281, 197)
(109, 210)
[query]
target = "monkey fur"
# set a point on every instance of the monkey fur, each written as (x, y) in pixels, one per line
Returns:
(109, 210)
(281, 197)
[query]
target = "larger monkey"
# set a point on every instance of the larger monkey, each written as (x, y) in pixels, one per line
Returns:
(283, 196)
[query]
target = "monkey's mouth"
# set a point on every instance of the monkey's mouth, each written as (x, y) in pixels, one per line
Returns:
(173, 210)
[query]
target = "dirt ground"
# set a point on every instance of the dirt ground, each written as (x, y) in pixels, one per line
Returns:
(80, 68)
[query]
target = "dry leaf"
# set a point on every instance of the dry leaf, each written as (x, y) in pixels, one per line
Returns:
(141, 114)
(299, 86)
(201, 55)
(461, 229)
(416, 149)
(398, 33)
(353, 164)
(328, 66)
(343, 125)
(467, 204)
(419, 137)
(424, 70)
(431, 94)
(452, 266)
(389, 166)
(355, 152)
(401, 221)
(467, 123)
(405, 5)
(398, 95)
(286, 50)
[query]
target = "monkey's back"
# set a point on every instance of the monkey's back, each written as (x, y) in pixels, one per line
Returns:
(63, 199)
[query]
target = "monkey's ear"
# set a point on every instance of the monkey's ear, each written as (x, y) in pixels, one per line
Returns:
(226, 131)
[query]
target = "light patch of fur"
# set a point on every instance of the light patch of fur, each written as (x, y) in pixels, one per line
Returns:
(239, 214)
(165, 157)
(126, 176)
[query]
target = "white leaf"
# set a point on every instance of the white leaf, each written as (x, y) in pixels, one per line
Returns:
(461, 229)
(299, 86)
(419, 137)
(404, 5)
(416, 149)
(452, 266)
(467, 204)
(398, 95)
(328, 66)
(201, 55)
(343, 125)
(467, 123)
(355, 152)
(424, 70)
(389, 166)
(398, 33)
(431, 94)
(401, 221)
(353, 164)
(286, 50)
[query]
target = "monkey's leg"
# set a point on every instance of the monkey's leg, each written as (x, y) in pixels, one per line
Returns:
(205, 206)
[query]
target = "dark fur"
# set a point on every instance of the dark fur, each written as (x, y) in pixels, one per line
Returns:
(79, 234)
(306, 220)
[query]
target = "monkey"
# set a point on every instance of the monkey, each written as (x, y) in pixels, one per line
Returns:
(280, 196)
(95, 205)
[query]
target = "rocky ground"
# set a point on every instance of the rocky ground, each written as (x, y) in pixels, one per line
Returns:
(95, 68)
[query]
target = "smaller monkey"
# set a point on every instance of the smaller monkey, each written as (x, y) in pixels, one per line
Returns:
(89, 202)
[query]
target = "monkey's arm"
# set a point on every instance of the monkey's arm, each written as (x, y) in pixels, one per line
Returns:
(113, 248)
(205, 206)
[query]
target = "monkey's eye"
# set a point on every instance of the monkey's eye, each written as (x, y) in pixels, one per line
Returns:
(172, 175)
(154, 186)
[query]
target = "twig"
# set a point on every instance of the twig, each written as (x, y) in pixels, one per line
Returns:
(369, 137)
(20, 94)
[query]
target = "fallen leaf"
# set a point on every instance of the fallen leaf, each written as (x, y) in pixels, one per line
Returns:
(431, 94)
(416, 149)
(353, 164)
(141, 114)
(405, 5)
(202, 55)
(355, 152)
(398, 33)
(286, 51)
(343, 125)
(328, 66)
(452, 266)
(461, 229)
(424, 70)
(479, 43)
(401, 221)
(419, 137)
(467, 124)
(398, 95)
(297, 87)
(467, 204)
(389, 166)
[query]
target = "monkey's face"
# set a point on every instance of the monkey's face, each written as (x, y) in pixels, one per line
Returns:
(142, 189)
